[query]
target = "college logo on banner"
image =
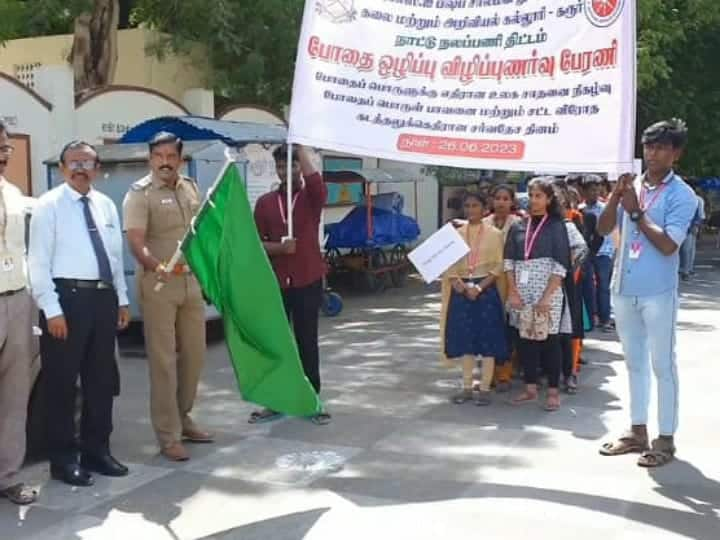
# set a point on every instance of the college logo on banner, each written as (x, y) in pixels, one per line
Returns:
(603, 13)
(337, 11)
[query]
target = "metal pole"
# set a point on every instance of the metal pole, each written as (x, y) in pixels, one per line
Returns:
(289, 191)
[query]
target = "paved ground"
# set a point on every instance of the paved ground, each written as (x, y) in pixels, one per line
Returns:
(399, 461)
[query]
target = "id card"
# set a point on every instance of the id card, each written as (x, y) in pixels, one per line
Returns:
(8, 265)
(635, 250)
(524, 277)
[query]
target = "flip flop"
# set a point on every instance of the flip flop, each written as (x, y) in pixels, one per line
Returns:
(19, 494)
(321, 419)
(264, 416)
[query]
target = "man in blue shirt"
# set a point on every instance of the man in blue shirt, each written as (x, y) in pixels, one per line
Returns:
(654, 218)
(597, 271)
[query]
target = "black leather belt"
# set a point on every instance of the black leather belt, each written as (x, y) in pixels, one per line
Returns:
(10, 293)
(83, 283)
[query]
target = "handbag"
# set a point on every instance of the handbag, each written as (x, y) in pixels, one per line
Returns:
(533, 326)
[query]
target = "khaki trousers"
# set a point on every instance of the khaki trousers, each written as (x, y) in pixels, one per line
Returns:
(16, 322)
(174, 323)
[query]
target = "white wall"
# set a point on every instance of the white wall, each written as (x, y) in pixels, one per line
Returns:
(25, 114)
(426, 211)
(110, 115)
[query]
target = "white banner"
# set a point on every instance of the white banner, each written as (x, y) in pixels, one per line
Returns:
(521, 85)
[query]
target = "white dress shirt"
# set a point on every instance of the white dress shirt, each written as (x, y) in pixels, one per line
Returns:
(13, 268)
(60, 245)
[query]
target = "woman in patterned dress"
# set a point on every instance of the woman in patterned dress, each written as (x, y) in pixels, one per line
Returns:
(472, 318)
(537, 259)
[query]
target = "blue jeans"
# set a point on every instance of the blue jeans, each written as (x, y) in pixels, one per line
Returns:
(687, 254)
(646, 326)
(597, 274)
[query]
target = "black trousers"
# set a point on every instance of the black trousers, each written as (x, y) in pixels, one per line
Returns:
(566, 351)
(88, 353)
(547, 355)
(302, 305)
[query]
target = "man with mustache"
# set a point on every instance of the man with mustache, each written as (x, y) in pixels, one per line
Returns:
(78, 281)
(16, 311)
(157, 213)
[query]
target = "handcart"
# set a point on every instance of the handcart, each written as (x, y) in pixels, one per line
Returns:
(368, 248)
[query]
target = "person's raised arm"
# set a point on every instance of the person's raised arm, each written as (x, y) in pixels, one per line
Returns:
(608, 219)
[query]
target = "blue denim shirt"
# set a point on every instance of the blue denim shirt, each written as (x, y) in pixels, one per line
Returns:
(654, 273)
(608, 246)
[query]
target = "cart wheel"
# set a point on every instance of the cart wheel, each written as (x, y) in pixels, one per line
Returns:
(376, 259)
(399, 256)
(332, 304)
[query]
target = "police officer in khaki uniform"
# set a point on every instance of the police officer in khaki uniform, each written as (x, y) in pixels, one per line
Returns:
(157, 213)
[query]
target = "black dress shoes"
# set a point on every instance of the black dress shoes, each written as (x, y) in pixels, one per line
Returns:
(104, 464)
(72, 474)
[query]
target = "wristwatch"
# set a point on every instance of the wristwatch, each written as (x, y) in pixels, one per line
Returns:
(636, 215)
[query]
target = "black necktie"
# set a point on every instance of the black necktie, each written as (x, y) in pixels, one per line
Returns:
(97, 243)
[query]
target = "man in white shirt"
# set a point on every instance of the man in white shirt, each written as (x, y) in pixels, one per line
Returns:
(77, 276)
(16, 312)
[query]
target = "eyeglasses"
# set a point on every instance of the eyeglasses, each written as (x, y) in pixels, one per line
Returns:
(85, 165)
(7, 149)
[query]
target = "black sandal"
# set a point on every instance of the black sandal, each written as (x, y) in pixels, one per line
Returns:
(263, 416)
(321, 419)
(661, 453)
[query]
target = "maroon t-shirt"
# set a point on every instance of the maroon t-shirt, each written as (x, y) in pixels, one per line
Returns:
(306, 266)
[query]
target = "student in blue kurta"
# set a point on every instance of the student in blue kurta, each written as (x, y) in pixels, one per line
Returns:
(653, 214)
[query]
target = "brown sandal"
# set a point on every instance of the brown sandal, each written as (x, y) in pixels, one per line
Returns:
(524, 398)
(628, 443)
(661, 453)
(19, 494)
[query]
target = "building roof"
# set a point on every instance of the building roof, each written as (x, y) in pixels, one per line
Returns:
(136, 152)
(200, 128)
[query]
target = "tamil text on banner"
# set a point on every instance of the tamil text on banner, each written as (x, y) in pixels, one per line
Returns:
(521, 85)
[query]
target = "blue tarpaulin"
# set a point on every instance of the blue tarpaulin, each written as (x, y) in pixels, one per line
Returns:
(389, 228)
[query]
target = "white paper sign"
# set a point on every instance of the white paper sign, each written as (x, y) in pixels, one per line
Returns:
(438, 253)
(494, 84)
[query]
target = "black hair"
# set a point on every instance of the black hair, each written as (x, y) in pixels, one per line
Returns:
(592, 179)
(477, 195)
(504, 187)
(574, 179)
(673, 132)
(547, 184)
(76, 145)
(165, 137)
(281, 154)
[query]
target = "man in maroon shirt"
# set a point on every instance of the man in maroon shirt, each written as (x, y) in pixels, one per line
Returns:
(298, 261)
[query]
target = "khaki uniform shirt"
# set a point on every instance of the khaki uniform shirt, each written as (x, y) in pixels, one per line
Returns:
(162, 212)
(13, 268)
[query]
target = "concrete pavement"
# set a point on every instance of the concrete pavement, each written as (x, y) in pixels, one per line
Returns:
(400, 461)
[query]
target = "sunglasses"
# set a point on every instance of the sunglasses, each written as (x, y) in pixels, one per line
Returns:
(84, 165)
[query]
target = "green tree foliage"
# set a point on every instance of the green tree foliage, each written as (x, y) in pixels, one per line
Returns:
(251, 46)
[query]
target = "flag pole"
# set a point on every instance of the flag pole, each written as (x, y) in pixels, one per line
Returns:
(289, 186)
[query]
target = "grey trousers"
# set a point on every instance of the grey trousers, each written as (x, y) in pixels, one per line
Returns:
(16, 322)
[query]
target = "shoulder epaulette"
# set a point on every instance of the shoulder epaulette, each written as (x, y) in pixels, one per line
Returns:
(141, 184)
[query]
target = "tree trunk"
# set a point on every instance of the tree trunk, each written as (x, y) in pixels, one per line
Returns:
(94, 52)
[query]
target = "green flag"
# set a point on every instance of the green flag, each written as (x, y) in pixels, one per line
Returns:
(226, 254)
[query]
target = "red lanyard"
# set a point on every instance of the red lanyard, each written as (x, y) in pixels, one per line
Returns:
(531, 239)
(474, 255)
(643, 193)
(282, 210)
